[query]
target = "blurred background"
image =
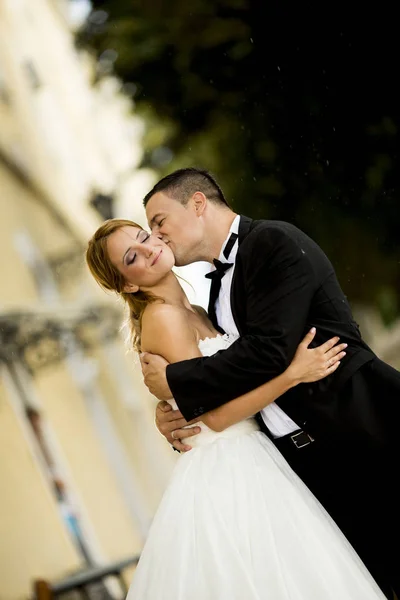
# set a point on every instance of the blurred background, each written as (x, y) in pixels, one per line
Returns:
(294, 109)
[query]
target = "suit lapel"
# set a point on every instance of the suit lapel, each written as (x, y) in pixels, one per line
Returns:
(245, 226)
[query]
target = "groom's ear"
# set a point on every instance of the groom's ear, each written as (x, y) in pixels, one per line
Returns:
(199, 203)
(131, 288)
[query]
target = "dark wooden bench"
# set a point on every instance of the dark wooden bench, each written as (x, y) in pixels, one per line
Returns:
(83, 582)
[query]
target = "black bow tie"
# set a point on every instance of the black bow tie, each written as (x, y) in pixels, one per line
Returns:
(216, 280)
(220, 269)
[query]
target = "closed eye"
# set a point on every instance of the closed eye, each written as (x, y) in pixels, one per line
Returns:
(144, 236)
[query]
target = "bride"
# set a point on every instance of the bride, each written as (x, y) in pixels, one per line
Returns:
(235, 522)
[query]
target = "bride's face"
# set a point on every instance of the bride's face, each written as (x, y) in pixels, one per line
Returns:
(143, 259)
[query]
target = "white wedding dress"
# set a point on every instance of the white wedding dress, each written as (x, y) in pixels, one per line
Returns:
(236, 523)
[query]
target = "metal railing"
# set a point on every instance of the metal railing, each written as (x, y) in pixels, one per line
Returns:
(81, 582)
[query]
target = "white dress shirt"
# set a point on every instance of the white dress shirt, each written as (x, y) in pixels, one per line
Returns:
(277, 421)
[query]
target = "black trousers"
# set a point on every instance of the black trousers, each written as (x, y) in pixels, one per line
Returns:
(355, 477)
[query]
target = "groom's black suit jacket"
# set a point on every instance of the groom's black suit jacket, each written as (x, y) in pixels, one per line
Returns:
(283, 285)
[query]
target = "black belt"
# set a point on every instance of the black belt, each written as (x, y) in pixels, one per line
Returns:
(298, 439)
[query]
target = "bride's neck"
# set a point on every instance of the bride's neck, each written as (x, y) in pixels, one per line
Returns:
(170, 290)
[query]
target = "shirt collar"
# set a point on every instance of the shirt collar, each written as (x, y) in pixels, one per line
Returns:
(234, 228)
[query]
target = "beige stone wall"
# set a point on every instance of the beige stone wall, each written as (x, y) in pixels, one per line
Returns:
(72, 137)
(17, 284)
(132, 410)
(29, 507)
(33, 539)
(88, 464)
(63, 139)
(23, 212)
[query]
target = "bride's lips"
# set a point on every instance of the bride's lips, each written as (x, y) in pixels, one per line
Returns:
(156, 258)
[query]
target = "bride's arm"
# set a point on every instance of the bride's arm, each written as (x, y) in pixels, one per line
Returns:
(308, 365)
(166, 330)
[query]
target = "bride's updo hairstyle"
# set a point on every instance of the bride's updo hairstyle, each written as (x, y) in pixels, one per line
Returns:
(109, 278)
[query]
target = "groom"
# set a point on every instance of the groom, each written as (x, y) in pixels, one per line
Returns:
(270, 284)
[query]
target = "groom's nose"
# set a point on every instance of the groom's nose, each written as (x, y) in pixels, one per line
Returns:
(161, 237)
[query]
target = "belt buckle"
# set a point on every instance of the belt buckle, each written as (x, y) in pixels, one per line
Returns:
(305, 439)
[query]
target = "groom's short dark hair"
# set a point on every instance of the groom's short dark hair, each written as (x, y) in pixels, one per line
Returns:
(183, 183)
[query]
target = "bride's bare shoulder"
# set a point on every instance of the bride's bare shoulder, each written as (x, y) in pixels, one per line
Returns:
(162, 312)
(166, 330)
(164, 319)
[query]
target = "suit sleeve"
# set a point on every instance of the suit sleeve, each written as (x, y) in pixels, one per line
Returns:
(280, 284)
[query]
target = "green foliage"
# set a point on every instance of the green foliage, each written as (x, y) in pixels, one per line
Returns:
(294, 123)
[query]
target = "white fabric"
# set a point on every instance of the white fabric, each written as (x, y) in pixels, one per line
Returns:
(236, 523)
(223, 308)
(277, 421)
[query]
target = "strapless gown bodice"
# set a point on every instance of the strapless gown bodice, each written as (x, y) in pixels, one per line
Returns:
(207, 347)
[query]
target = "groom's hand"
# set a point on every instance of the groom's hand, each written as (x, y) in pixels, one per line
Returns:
(170, 424)
(153, 369)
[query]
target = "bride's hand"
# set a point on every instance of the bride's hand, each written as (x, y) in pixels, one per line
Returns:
(313, 364)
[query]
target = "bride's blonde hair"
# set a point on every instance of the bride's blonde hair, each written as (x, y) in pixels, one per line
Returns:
(109, 278)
